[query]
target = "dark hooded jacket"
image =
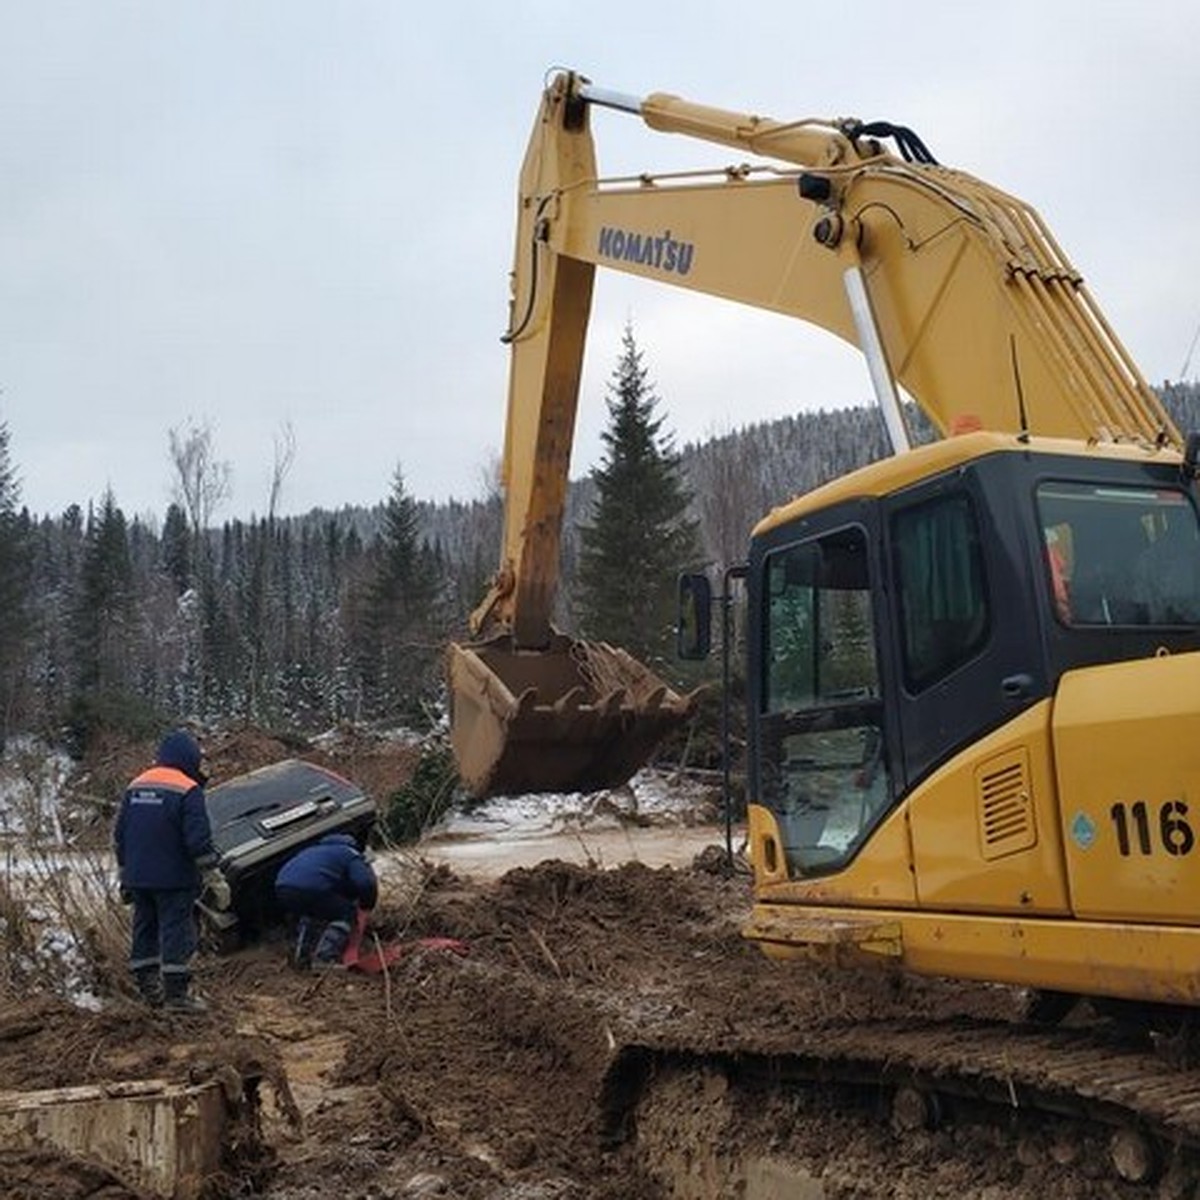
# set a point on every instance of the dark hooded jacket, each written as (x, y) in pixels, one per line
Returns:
(333, 864)
(162, 835)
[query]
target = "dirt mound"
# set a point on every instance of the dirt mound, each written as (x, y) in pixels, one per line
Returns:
(475, 1066)
(46, 1043)
(112, 760)
(486, 1070)
(234, 751)
(378, 763)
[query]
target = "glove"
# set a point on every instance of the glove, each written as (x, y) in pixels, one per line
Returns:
(216, 889)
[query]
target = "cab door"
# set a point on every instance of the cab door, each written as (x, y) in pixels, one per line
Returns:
(819, 711)
(967, 652)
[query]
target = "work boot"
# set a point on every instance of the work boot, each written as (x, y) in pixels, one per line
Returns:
(149, 985)
(331, 946)
(178, 996)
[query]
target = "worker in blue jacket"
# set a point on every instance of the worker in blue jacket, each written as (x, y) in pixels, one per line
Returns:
(324, 884)
(163, 842)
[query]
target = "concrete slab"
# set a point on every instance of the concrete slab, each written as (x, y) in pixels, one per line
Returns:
(159, 1137)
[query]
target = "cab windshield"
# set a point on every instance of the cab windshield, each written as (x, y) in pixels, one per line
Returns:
(1120, 555)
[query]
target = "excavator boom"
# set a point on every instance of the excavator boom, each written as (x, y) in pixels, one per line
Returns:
(954, 291)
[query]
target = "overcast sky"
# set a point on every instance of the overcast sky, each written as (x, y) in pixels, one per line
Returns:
(254, 213)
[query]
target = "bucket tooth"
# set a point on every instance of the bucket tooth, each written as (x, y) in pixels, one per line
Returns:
(574, 719)
(570, 702)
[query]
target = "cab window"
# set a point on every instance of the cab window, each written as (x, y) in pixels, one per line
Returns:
(941, 587)
(1120, 555)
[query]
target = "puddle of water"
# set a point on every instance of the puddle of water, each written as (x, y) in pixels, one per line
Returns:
(660, 819)
(493, 853)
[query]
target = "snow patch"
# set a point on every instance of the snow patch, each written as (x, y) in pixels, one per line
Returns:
(32, 776)
(650, 797)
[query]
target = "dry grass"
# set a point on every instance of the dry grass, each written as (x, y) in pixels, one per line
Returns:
(18, 941)
(63, 929)
(607, 669)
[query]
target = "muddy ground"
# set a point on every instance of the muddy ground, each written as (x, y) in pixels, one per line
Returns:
(476, 1070)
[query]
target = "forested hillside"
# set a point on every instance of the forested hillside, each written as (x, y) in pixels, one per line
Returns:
(301, 621)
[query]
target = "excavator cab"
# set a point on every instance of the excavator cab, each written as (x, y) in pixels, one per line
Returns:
(972, 718)
(891, 633)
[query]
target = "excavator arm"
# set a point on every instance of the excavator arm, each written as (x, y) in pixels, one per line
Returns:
(956, 291)
(953, 290)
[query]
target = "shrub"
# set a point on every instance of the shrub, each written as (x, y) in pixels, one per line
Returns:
(63, 930)
(92, 714)
(428, 795)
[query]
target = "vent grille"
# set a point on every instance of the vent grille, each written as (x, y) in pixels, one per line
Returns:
(1006, 823)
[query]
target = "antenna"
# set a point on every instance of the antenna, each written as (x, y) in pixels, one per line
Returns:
(1021, 413)
(1187, 362)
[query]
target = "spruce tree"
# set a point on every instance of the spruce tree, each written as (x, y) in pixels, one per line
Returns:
(398, 582)
(640, 534)
(104, 627)
(15, 560)
(105, 597)
(176, 548)
(398, 648)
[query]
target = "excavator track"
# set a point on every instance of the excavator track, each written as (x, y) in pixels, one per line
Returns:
(1131, 1089)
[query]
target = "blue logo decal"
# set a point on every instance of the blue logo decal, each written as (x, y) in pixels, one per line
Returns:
(663, 252)
(1083, 830)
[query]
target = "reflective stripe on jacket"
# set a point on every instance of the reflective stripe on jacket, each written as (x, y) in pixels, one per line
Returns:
(161, 830)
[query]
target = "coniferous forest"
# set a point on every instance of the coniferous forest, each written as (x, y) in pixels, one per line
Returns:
(298, 622)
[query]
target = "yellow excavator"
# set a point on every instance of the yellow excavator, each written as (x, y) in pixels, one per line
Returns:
(972, 667)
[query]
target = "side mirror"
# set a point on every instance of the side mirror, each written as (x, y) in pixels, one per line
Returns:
(693, 627)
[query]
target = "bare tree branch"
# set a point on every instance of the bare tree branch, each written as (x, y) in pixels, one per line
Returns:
(202, 481)
(285, 455)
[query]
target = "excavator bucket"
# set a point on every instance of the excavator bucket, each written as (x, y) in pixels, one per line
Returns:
(575, 717)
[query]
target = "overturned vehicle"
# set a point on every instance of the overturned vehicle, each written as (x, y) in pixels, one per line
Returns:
(259, 820)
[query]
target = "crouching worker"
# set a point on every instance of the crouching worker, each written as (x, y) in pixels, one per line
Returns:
(323, 886)
(163, 842)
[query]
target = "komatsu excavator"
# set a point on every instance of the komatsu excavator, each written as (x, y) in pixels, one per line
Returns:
(972, 670)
